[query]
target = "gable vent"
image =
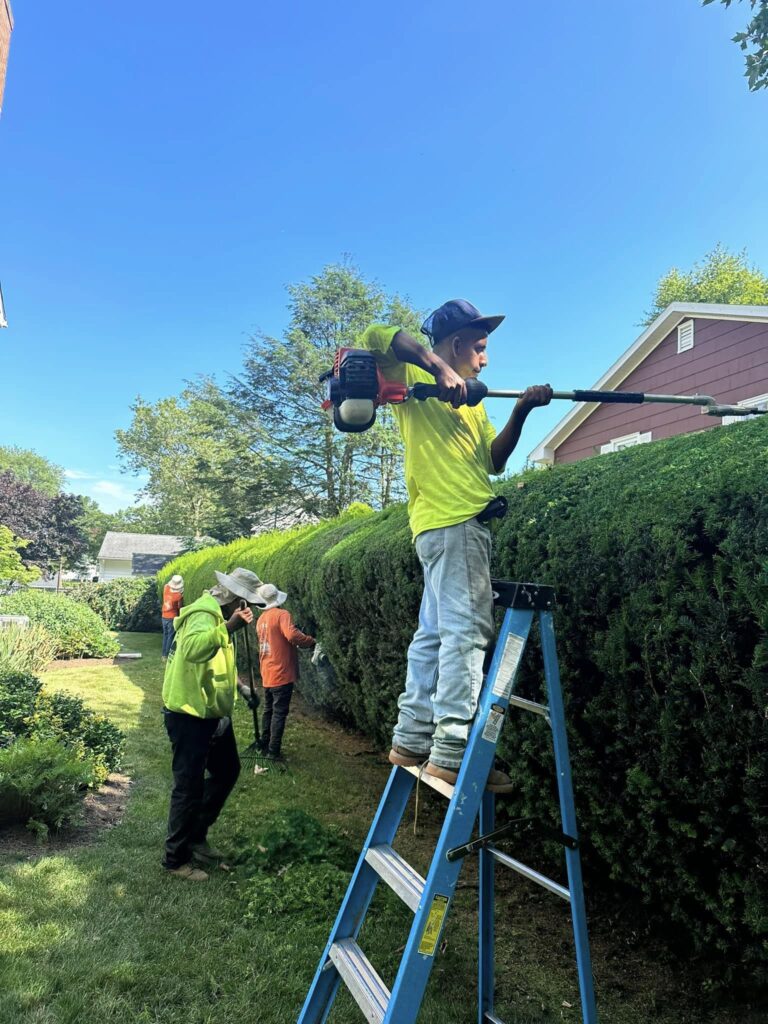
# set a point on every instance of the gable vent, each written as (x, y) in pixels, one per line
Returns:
(685, 336)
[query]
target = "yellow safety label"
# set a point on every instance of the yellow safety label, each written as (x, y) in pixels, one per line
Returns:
(434, 926)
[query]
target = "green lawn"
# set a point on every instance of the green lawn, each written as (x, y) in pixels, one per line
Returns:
(102, 934)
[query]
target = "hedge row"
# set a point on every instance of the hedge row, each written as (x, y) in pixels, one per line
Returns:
(659, 557)
(129, 604)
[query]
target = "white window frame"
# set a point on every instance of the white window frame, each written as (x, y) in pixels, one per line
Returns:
(618, 444)
(685, 336)
(761, 400)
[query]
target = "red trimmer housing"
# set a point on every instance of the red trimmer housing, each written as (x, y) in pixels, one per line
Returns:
(356, 389)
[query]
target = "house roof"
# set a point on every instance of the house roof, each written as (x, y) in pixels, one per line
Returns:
(126, 545)
(639, 350)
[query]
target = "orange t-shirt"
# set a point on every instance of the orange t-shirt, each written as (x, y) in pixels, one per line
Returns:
(172, 602)
(278, 640)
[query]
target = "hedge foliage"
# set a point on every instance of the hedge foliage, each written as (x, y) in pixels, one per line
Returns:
(659, 556)
(76, 630)
(129, 604)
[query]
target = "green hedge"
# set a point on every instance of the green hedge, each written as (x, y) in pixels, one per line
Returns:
(76, 630)
(658, 555)
(129, 604)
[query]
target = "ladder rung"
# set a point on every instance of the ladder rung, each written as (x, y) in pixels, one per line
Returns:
(534, 876)
(369, 991)
(445, 788)
(397, 873)
(530, 705)
(491, 1018)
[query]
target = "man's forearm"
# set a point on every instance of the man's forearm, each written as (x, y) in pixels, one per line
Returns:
(506, 440)
(409, 350)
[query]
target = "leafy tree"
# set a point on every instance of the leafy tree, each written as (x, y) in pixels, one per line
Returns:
(12, 569)
(722, 276)
(32, 469)
(94, 523)
(755, 36)
(314, 469)
(201, 469)
(50, 524)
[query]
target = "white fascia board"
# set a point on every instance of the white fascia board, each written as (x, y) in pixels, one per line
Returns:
(639, 350)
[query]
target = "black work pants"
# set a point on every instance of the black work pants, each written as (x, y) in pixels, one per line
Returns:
(204, 771)
(277, 700)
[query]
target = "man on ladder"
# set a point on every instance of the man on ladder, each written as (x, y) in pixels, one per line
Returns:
(450, 450)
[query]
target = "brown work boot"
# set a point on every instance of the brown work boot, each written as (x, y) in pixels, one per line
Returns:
(498, 782)
(406, 758)
(187, 871)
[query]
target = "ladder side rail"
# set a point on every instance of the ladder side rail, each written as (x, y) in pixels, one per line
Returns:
(410, 983)
(359, 894)
(568, 817)
(486, 937)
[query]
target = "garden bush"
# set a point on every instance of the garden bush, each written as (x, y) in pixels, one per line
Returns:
(30, 713)
(659, 557)
(26, 648)
(19, 692)
(42, 784)
(76, 630)
(127, 604)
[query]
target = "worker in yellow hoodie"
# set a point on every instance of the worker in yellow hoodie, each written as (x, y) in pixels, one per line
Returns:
(198, 698)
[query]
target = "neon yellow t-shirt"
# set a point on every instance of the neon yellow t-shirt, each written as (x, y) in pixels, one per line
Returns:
(447, 450)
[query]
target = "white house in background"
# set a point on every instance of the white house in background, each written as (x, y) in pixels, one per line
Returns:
(136, 554)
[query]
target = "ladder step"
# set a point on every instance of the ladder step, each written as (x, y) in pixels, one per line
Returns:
(444, 788)
(529, 705)
(369, 991)
(491, 1018)
(397, 873)
(534, 876)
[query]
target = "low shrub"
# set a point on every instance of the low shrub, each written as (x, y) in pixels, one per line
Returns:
(29, 711)
(26, 649)
(42, 783)
(127, 604)
(75, 629)
(66, 718)
(19, 692)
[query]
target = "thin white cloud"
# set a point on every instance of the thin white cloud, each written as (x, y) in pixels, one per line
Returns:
(111, 489)
(77, 474)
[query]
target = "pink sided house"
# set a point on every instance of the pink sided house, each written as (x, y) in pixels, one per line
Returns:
(690, 348)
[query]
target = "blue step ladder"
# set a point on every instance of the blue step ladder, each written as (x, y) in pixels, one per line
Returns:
(430, 899)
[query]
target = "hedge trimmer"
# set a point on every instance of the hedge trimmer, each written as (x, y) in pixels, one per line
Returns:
(356, 389)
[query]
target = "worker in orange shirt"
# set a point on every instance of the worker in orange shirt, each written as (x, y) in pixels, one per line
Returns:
(279, 641)
(173, 599)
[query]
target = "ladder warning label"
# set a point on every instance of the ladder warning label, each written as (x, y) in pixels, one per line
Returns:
(431, 934)
(510, 659)
(494, 723)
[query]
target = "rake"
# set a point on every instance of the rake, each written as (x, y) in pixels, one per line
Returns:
(253, 755)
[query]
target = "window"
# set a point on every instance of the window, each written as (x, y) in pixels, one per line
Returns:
(618, 444)
(761, 401)
(685, 336)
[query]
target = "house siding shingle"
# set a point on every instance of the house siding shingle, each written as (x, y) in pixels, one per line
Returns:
(729, 360)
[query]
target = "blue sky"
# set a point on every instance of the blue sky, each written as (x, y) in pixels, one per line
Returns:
(167, 168)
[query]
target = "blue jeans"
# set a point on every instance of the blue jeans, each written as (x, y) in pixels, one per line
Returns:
(445, 658)
(168, 636)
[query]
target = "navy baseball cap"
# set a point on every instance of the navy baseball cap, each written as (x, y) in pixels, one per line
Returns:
(452, 316)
